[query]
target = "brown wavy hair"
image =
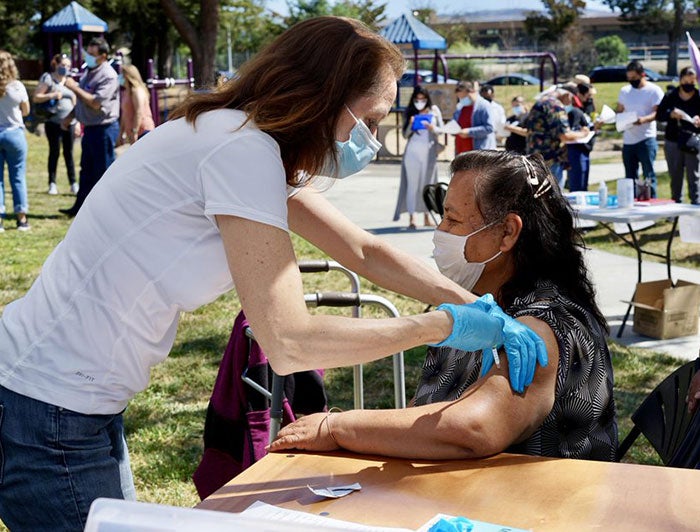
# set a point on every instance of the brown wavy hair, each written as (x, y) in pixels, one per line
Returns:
(295, 89)
(8, 71)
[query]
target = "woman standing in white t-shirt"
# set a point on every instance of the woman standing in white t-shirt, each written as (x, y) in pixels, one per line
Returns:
(14, 104)
(205, 202)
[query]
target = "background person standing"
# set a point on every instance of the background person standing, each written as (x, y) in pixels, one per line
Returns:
(684, 98)
(480, 128)
(639, 140)
(14, 104)
(52, 87)
(419, 164)
(136, 116)
(97, 109)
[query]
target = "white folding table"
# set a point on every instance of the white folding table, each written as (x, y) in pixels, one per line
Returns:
(629, 216)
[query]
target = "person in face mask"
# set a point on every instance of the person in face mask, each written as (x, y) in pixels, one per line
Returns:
(52, 88)
(677, 106)
(97, 109)
(136, 117)
(205, 202)
(578, 153)
(639, 145)
(475, 116)
(517, 134)
(507, 232)
(419, 162)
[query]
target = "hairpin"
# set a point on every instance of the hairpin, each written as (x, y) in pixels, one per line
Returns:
(543, 187)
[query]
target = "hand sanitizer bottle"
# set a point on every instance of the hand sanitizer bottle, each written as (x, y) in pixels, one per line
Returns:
(603, 195)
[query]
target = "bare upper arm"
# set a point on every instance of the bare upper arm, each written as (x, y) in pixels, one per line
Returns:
(504, 416)
(266, 276)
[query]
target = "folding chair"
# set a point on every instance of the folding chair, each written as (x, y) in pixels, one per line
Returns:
(664, 420)
(434, 199)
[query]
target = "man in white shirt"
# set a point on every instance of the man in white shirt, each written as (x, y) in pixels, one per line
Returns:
(498, 114)
(639, 139)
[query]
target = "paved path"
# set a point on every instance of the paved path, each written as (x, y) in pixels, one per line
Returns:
(369, 199)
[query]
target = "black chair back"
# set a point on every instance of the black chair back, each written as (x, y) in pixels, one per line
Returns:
(664, 420)
(434, 198)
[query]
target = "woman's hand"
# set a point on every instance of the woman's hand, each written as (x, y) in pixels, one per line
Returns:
(310, 433)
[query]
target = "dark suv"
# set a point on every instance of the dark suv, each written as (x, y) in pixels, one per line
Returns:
(605, 74)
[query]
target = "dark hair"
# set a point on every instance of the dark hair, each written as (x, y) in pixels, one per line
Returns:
(411, 109)
(583, 88)
(687, 71)
(101, 43)
(635, 66)
(550, 246)
(486, 89)
(296, 87)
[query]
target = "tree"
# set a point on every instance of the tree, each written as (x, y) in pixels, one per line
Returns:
(368, 11)
(559, 15)
(199, 31)
(665, 16)
(611, 50)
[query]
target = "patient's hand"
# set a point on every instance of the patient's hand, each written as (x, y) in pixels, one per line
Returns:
(310, 433)
(693, 397)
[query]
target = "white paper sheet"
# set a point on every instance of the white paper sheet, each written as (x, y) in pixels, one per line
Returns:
(583, 140)
(607, 115)
(684, 116)
(335, 492)
(625, 120)
(308, 521)
(451, 128)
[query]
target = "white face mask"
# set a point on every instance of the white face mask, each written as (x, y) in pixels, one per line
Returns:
(419, 104)
(518, 110)
(449, 253)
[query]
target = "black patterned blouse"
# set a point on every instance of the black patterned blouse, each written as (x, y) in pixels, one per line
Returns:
(582, 423)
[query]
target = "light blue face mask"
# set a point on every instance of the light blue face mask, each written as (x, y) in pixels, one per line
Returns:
(90, 61)
(568, 108)
(120, 77)
(353, 154)
(464, 102)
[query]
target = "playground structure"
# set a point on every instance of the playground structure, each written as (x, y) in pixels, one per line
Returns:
(159, 89)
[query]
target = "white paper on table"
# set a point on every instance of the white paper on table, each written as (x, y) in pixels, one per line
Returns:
(684, 116)
(689, 229)
(295, 520)
(625, 120)
(607, 115)
(451, 128)
(583, 140)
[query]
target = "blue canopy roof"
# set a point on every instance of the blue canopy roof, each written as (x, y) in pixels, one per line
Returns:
(73, 18)
(407, 29)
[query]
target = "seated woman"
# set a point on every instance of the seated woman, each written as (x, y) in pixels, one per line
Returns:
(507, 231)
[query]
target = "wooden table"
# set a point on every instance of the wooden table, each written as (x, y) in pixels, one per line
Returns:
(520, 491)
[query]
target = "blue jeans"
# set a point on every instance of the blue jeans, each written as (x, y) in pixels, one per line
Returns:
(579, 165)
(13, 150)
(643, 153)
(54, 462)
(557, 170)
(98, 154)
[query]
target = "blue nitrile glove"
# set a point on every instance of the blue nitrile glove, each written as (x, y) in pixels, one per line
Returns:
(473, 329)
(452, 524)
(524, 348)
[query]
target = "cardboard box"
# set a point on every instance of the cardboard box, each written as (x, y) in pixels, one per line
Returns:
(663, 311)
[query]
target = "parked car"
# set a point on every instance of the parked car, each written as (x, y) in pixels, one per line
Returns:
(514, 79)
(606, 74)
(424, 76)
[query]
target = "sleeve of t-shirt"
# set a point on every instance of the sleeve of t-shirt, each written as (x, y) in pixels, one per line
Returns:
(658, 95)
(244, 177)
(46, 79)
(22, 92)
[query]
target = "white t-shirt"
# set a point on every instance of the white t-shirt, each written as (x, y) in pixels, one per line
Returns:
(10, 113)
(641, 101)
(144, 247)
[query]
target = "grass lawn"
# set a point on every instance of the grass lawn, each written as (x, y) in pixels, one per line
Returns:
(164, 423)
